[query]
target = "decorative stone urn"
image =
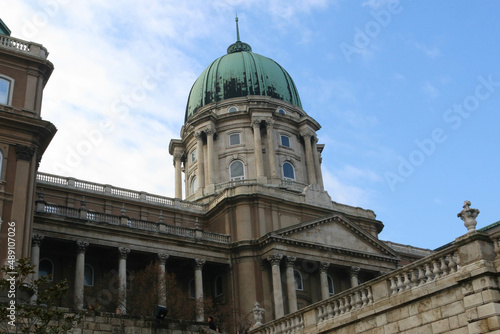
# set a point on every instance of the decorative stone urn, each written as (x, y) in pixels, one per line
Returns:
(469, 215)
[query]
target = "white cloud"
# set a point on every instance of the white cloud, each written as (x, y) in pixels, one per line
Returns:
(430, 90)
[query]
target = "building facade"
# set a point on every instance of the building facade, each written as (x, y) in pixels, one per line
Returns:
(250, 220)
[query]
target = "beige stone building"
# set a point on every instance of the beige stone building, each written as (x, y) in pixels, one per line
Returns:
(250, 221)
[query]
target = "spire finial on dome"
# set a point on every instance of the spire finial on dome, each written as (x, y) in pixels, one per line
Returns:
(237, 29)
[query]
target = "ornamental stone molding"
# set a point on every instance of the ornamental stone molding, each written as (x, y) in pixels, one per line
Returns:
(199, 263)
(323, 266)
(469, 215)
(24, 152)
(81, 246)
(36, 240)
(163, 257)
(290, 261)
(275, 259)
(123, 252)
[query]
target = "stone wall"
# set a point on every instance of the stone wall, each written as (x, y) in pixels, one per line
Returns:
(122, 324)
(455, 291)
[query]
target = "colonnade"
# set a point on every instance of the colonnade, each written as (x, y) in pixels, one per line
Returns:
(122, 254)
(275, 261)
(208, 162)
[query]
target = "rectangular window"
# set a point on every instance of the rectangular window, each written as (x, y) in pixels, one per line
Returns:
(5, 87)
(234, 139)
(193, 156)
(285, 141)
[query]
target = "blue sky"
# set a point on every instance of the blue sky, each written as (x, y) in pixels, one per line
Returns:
(407, 93)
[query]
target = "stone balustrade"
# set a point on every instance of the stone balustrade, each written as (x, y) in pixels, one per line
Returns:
(91, 187)
(362, 300)
(144, 225)
(20, 45)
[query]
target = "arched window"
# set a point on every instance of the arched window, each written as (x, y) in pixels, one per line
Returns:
(281, 111)
(5, 90)
(46, 268)
(194, 184)
(88, 275)
(285, 140)
(236, 171)
(331, 287)
(218, 286)
(288, 171)
(232, 109)
(299, 284)
(192, 289)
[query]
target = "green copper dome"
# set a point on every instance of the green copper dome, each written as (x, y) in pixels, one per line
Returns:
(241, 73)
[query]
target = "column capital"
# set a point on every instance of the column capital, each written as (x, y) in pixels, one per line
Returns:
(199, 263)
(290, 261)
(36, 239)
(209, 131)
(163, 257)
(269, 122)
(123, 252)
(256, 122)
(275, 259)
(323, 266)
(24, 152)
(198, 134)
(178, 155)
(355, 271)
(307, 134)
(81, 246)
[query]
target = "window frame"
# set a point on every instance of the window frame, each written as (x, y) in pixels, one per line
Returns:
(282, 135)
(299, 286)
(236, 178)
(218, 290)
(10, 89)
(192, 289)
(194, 156)
(232, 109)
(50, 275)
(293, 171)
(1, 164)
(191, 184)
(330, 279)
(229, 135)
(92, 275)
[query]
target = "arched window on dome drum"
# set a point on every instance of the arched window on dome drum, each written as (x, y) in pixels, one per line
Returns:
(299, 283)
(194, 156)
(285, 140)
(46, 268)
(232, 109)
(288, 171)
(194, 184)
(236, 171)
(88, 275)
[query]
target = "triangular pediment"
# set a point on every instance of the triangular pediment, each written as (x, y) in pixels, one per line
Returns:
(337, 232)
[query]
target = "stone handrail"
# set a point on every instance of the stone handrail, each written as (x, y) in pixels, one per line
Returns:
(293, 185)
(414, 275)
(115, 191)
(230, 184)
(20, 45)
(132, 223)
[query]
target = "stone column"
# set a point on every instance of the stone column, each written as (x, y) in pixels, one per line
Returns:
(210, 155)
(309, 157)
(354, 276)
(36, 241)
(178, 174)
(290, 284)
(122, 279)
(81, 248)
(275, 260)
(162, 291)
(317, 161)
(323, 276)
(257, 147)
(270, 147)
(200, 159)
(198, 288)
